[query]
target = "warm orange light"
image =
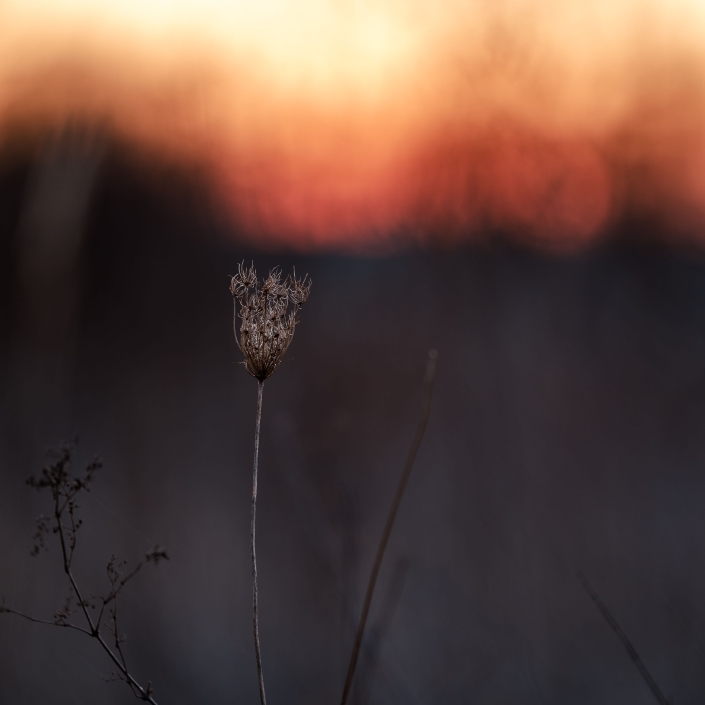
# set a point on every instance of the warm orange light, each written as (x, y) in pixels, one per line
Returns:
(342, 122)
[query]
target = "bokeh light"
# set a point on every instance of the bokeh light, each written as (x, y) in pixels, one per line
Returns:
(353, 124)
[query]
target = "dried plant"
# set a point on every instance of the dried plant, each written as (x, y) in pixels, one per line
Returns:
(97, 611)
(268, 315)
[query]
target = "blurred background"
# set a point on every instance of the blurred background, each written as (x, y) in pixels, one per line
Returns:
(520, 185)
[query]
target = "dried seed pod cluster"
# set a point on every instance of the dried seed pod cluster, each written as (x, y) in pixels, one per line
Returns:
(268, 316)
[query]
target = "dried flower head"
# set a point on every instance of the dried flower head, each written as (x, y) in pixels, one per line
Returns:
(268, 316)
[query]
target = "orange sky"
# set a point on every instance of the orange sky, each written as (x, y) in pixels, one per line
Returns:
(351, 122)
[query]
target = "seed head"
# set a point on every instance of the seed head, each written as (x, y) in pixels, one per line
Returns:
(268, 316)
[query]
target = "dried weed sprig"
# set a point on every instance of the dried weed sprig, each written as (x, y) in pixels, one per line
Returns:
(65, 488)
(268, 318)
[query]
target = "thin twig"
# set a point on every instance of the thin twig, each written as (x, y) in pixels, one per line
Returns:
(118, 586)
(255, 616)
(648, 678)
(64, 489)
(66, 625)
(418, 437)
(142, 693)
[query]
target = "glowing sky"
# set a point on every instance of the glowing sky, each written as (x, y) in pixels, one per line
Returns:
(326, 122)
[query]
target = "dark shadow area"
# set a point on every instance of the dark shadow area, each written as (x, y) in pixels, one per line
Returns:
(566, 434)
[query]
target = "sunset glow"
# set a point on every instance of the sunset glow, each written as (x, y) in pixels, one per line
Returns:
(351, 123)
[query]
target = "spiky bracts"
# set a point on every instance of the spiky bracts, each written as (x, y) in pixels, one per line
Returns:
(268, 316)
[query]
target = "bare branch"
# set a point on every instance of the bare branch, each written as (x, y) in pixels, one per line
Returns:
(66, 625)
(64, 488)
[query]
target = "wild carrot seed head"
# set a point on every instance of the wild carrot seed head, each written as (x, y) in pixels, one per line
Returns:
(268, 316)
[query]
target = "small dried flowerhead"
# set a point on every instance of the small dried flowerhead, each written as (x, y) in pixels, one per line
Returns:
(268, 315)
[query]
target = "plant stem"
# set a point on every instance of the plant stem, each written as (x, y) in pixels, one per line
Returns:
(255, 618)
(421, 428)
(633, 655)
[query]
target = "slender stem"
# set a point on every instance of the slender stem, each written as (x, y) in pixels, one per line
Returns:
(67, 566)
(144, 693)
(255, 617)
(413, 450)
(65, 625)
(633, 655)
